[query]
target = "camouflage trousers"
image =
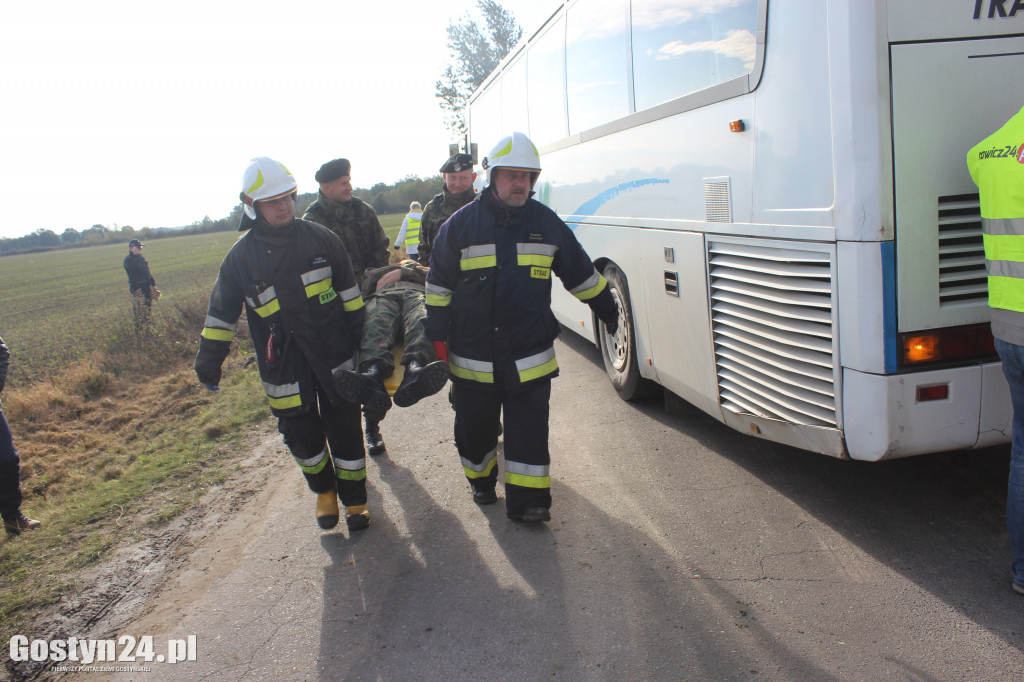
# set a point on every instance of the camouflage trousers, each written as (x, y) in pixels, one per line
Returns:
(395, 315)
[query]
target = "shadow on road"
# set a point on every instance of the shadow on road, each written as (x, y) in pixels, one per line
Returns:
(938, 520)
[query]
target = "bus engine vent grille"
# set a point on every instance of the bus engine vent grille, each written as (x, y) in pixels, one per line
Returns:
(717, 200)
(961, 251)
(772, 323)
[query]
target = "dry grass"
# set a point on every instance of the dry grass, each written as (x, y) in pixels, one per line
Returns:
(119, 439)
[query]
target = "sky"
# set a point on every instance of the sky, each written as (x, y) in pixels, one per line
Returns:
(127, 112)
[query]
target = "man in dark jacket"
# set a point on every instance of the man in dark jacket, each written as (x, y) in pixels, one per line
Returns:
(141, 284)
(356, 223)
(489, 313)
(458, 191)
(305, 316)
(10, 466)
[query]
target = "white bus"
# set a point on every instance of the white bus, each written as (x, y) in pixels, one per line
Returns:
(777, 192)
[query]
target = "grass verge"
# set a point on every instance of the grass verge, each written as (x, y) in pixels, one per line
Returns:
(115, 445)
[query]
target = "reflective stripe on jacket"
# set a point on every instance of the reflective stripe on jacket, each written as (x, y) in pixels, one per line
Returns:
(996, 165)
(489, 290)
(303, 307)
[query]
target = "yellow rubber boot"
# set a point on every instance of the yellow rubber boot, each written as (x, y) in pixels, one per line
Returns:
(358, 517)
(327, 509)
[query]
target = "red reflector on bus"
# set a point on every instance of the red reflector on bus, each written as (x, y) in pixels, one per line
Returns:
(926, 393)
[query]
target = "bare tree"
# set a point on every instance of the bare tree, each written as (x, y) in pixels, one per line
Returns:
(475, 51)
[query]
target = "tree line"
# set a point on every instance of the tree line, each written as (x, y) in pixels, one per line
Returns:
(385, 198)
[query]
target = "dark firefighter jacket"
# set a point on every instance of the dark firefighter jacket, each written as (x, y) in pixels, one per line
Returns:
(489, 290)
(303, 306)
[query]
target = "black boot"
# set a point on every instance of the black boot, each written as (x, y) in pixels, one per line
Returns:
(374, 441)
(365, 387)
(420, 381)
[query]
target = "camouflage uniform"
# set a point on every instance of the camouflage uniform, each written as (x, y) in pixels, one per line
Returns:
(397, 307)
(440, 208)
(356, 223)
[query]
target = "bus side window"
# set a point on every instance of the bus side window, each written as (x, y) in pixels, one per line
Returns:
(595, 55)
(679, 50)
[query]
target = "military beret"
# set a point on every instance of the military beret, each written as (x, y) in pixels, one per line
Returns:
(458, 162)
(332, 170)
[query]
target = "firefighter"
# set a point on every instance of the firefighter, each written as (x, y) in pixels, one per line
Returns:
(996, 165)
(489, 314)
(458, 191)
(357, 224)
(305, 316)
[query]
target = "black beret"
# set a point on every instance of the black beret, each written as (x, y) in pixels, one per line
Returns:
(458, 162)
(135, 242)
(332, 170)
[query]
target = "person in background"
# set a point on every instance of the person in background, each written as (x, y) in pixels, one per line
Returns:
(141, 284)
(356, 223)
(1000, 180)
(410, 230)
(489, 314)
(305, 317)
(458, 191)
(15, 520)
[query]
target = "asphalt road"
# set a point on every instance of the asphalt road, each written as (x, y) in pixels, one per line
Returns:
(677, 550)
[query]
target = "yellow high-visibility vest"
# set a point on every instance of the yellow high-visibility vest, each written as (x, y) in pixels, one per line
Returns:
(412, 232)
(996, 165)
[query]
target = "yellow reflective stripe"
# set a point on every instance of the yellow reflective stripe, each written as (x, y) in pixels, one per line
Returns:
(474, 370)
(527, 475)
(535, 259)
(354, 304)
(438, 301)
(317, 288)
(350, 469)
(268, 309)
(257, 184)
(313, 465)
(484, 468)
(214, 334)
(539, 371)
(1004, 247)
(477, 263)
(528, 481)
(536, 366)
(285, 403)
(591, 287)
(478, 256)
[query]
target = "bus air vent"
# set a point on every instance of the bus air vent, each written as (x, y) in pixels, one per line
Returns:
(772, 321)
(717, 201)
(961, 252)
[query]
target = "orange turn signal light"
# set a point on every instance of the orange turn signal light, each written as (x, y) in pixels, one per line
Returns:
(921, 348)
(737, 126)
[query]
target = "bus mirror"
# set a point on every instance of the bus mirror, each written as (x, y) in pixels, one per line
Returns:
(453, 149)
(473, 153)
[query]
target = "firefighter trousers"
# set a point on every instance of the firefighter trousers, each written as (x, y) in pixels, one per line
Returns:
(327, 444)
(527, 459)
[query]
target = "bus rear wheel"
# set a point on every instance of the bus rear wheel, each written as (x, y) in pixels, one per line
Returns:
(619, 350)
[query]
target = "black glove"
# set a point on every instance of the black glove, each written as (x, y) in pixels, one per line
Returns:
(612, 326)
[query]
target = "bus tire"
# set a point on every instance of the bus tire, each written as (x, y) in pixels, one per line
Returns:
(619, 350)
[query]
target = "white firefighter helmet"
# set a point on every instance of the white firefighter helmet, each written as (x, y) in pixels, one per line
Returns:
(263, 180)
(514, 151)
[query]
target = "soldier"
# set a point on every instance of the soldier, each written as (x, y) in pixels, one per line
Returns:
(305, 317)
(349, 217)
(356, 223)
(457, 192)
(141, 284)
(394, 298)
